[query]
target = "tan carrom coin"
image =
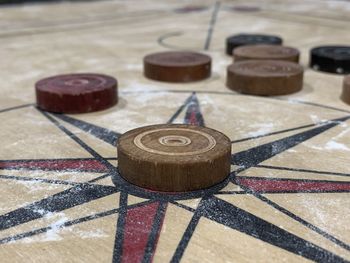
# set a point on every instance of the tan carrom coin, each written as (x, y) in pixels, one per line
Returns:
(346, 89)
(177, 66)
(265, 77)
(174, 157)
(266, 52)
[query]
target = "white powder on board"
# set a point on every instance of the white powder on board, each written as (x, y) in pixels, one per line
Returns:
(262, 128)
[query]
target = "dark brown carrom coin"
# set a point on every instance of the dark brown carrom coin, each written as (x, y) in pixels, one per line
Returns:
(265, 77)
(266, 52)
(177, 66)
(76, 93)
(174, 157)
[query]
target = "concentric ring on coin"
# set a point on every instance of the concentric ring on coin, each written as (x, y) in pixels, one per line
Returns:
(211, 142)
(333, 59)
(265, 77)
(76, 93)
(177, 66)
(174, 140)
(174, 157)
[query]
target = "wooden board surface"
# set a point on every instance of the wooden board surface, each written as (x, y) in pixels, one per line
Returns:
(288, 195)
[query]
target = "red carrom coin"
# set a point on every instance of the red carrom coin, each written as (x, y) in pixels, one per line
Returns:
(76, 93)
(174, 157)
(177, 66)
(265, 77)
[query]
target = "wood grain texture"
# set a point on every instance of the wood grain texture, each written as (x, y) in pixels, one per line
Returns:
(177, 66)
(76, 93)
(266, 52)
(174, 157)
(265, 77)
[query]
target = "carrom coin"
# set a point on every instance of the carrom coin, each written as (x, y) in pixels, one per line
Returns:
(76, 93)
(174, 157)
(177, 66)
(265, 77)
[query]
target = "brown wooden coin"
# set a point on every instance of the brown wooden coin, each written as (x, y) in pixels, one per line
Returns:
(265, 77)
(177, 66)
(267, 52)
(174, 157)
(76, 93)
(346, 89)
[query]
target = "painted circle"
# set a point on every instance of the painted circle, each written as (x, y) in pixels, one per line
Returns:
(175, 140)
(160, 144)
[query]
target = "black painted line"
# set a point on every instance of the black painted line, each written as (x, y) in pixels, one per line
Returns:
(66, 224)
(41, 180)
(274, 133)
(300, 170)
(191, 227)
(79, 141)
(120, 228)
(66, 199)
(258, 154)
(237, 94)
(99, 178)
(155, 231)
(81, 25)
(225, 213)
(296, 218)
(16, 107)
(193, 107)
(212, 25)
(311, 104)
(111, 158)
(180, 109)
(162, 38)
(231, 192)
(190, 209)
(101, 133)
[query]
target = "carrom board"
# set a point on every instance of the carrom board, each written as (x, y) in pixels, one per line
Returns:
(62, 199)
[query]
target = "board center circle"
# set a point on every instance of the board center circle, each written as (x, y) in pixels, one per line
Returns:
(175, 140)
(158, 141)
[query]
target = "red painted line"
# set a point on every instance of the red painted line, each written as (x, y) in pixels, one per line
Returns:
(59, 165)
(138, 226)
(193, 119)
(266, 185)
(158, 234)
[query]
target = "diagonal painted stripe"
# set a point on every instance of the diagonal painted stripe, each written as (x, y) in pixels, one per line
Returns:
(231, 216)
(101, 133)
(256, 155)
(137, 229)
(59, 165)
(69, 198)
(262, 185)
(193, 114)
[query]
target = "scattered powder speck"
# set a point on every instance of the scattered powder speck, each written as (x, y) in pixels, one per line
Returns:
(332, 145)
(262, 128)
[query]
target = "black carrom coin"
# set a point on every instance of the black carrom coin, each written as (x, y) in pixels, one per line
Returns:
(333, 59)
(250, 39)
